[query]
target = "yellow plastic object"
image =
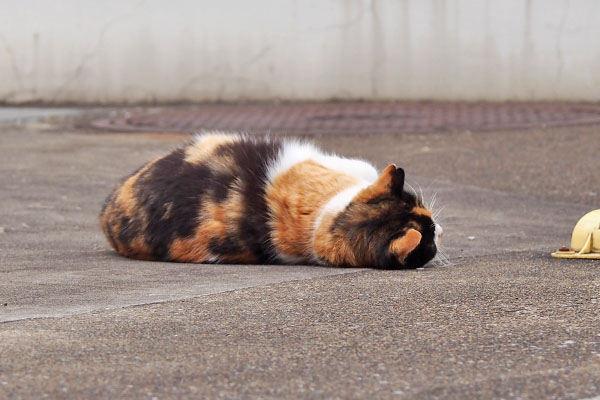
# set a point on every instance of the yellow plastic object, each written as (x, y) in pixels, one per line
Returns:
(585, 242)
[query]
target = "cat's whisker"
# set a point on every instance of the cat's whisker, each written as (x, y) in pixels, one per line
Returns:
(421, 191)
(433, 200)
(411, 188)
(445, 258)
(441, 250)
(437, 212)
(442, 220)
(432, 183)
(441, 260)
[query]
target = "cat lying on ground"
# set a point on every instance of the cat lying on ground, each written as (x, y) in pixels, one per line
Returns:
(228, 198)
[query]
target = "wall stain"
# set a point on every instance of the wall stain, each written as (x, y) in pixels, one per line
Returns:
(559, 33)
(353, 49)
(378, 55)
(79, 69)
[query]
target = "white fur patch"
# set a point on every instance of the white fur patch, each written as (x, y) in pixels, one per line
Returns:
(338, 202)
(336, 205)
(294, 152)
(438, 233)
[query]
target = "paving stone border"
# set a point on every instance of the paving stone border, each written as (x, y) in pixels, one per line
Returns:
(350, 118)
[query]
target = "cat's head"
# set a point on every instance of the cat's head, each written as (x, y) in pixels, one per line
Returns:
(384, 226)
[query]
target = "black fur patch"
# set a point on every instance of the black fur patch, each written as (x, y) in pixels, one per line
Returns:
(253, 159)
(397, 182)
(222, 184)
(374, 234)
(111, 197)
(171, 180)
(421, 255)
(225, 246)
(127, 231)
(110, 236)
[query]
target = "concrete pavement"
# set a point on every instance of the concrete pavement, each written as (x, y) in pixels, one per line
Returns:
(55, 261)
(504, 320)
(512, 326)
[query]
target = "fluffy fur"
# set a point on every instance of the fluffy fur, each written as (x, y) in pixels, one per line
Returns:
(227, 198)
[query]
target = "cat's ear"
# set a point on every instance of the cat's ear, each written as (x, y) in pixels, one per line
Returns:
(391, 181)
(402, 247)
(397, 185)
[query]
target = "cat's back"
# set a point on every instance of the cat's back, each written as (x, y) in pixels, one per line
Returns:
(202, 202)
(229, 198)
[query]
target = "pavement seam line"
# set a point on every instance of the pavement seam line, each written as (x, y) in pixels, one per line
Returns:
(108, 309)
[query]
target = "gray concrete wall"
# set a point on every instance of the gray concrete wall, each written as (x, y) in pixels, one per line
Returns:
(199, 50)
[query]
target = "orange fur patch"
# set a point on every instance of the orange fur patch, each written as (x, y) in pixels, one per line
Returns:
(139, 249)
(109, 228)
(295, 199)
(421, 211)
(211, 225)
(333, 248)
(216, 221)
(124, 203)
(401, 247)
(202, 150)
(188, 250)
(125, 197)
(381, 186)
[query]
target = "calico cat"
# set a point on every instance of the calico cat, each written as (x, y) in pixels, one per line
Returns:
(229, 198)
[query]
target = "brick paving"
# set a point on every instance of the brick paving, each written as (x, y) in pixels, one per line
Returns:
(350, 118)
